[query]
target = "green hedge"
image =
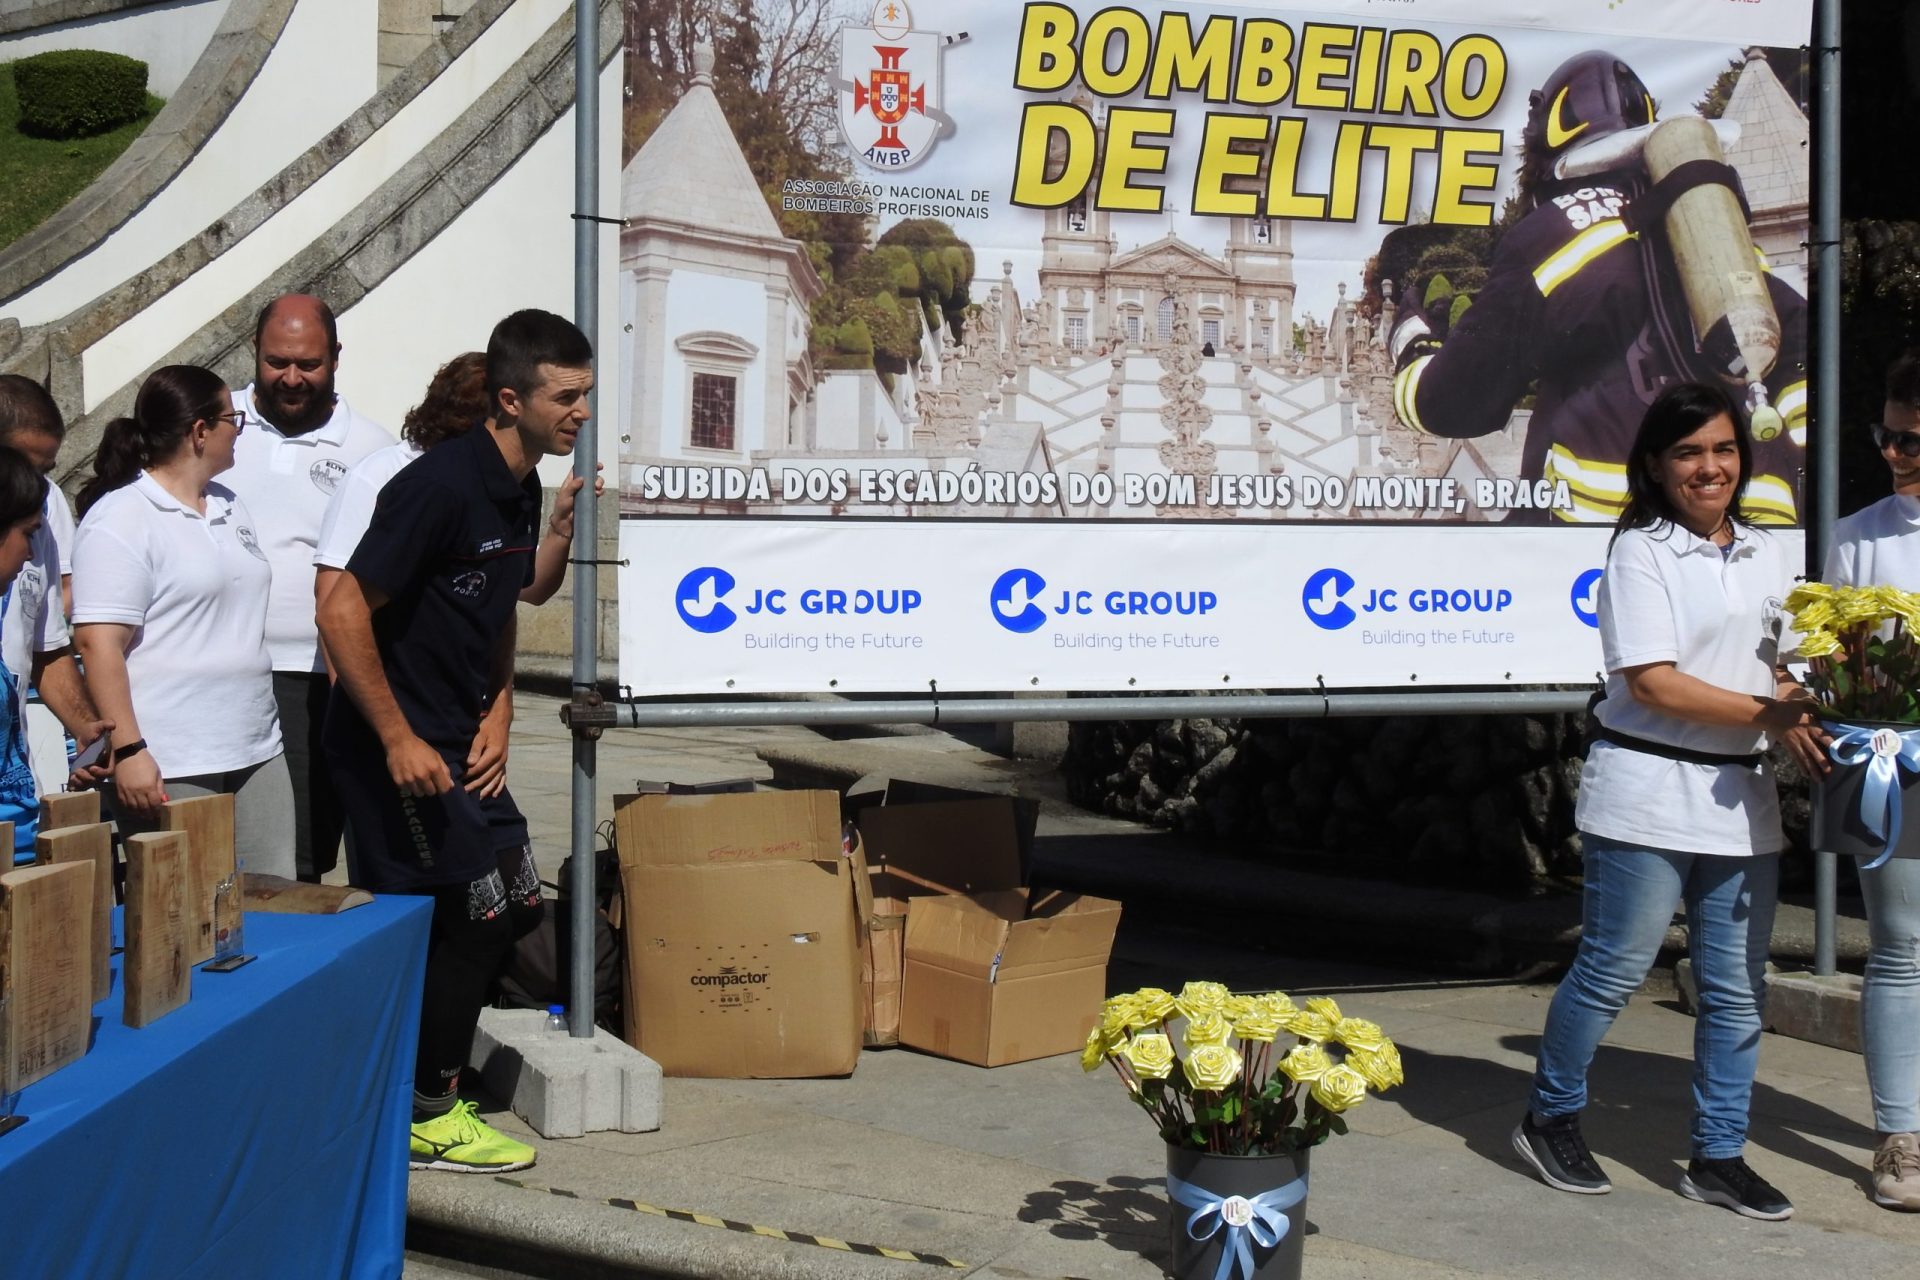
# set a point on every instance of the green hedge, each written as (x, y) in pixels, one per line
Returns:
(76, 93)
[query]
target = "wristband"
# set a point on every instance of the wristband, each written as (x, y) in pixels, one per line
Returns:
(129, 751)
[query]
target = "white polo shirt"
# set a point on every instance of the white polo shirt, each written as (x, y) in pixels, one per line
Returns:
(351, 510)
(1875, 546)
(1671, 596)
(287, 482)
(57, 513)
(195, 590)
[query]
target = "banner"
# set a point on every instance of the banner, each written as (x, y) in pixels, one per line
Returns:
(1079, 347)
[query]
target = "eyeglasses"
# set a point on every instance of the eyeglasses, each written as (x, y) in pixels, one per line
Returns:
(238, 418)
(1907, 443)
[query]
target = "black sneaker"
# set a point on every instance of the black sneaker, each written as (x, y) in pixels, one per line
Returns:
(1732, 1185)
(1559, 1154)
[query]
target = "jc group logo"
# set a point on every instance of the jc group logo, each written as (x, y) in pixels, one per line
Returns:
(1330, 596)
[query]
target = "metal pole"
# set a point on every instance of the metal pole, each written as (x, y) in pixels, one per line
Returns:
(1826, 386)
(586, 520)
(740, 715)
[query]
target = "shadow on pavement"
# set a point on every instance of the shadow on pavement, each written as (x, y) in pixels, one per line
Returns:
(1637, 1116)
(1128, 1213)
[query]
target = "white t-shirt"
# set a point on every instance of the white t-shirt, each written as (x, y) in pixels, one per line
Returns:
(287, 481)
(1671, 596)
(351, 510)
(195, 590)
(34, 621)
(1875, 546)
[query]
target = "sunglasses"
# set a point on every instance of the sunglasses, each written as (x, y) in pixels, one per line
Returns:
(1907, 443)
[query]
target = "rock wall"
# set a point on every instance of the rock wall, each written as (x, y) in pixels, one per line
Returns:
(1471, 801)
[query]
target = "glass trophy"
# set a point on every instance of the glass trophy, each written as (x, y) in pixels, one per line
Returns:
(9, 1096)
(229, 923)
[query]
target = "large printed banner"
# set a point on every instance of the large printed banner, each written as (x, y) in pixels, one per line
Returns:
(1077, 346)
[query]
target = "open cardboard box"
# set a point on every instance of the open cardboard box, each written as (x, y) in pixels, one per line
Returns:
(917, 839)
(1002, 977)
(743, 955)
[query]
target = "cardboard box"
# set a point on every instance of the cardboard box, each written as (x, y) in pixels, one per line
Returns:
(970, 845)
(1003, 977)
(743, 958)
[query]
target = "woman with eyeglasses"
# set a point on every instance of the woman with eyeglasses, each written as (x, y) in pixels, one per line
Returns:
(1880, 546)
(170, 612)
(1677, 802)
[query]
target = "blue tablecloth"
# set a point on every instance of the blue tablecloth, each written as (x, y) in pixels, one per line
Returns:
(259, 1131)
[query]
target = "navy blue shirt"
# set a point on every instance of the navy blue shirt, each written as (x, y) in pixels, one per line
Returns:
(451, 546)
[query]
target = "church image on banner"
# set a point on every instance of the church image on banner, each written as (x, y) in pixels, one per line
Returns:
(1167, 360)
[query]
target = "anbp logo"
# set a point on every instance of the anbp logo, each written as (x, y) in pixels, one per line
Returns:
(1585, 597)
(1324, 599)
(698, 600)
(1013, 600)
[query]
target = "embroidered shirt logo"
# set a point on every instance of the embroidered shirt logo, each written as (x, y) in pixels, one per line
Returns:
(327, 474)
(470, 584)
(250, 540)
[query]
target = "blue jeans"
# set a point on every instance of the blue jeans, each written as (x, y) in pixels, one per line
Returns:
(1890, 996)
(1630, 898)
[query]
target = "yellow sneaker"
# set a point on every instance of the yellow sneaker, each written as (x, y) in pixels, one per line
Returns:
(460, 1142)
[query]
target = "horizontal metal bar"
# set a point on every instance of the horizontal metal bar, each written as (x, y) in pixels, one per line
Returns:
(655, 715)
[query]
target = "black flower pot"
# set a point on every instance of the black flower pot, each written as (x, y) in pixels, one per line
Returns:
(1837, 824)
(1245, 1177)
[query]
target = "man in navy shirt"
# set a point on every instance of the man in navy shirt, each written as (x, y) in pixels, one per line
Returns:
(420, 628)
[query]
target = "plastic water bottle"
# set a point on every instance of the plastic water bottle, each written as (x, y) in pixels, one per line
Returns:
(556, 1023)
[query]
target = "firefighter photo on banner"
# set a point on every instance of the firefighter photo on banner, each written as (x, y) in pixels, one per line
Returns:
(1344, 304)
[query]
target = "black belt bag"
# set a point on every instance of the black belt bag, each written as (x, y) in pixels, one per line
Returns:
(1598, 732)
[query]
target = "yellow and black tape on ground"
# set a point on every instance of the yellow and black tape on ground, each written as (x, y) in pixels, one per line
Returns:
(748, 1228)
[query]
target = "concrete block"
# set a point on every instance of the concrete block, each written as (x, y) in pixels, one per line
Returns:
(561, 1086)
(1820, 1010)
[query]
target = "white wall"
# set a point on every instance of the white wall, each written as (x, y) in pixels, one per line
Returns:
(123, 354)
(321, 70)
(169, 38)
(513, 248)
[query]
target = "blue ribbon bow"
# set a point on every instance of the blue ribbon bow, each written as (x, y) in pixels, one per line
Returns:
(1266, 1223)
(1884, 752)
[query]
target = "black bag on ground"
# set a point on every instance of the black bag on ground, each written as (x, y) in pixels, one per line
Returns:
(539, 969)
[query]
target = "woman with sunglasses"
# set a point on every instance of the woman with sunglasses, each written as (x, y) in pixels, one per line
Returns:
(1677, 802)
(170, 616)
(1873, 547)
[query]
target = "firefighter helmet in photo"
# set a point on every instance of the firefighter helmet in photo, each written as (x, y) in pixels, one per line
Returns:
(1588, 96)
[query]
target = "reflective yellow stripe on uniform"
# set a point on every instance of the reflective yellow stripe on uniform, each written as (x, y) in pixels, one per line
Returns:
(1405, 385)
(1770, 500)
(1578, 252)
(1766, 267)
(1598, 489)
(1792, 404)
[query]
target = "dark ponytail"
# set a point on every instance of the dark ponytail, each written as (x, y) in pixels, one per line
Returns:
(171, 400)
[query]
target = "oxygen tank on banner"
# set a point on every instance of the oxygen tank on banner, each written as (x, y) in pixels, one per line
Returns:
(1726, 291)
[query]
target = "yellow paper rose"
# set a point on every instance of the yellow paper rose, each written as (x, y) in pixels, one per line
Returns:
(1280, 1005)
(1257, 1024)
(1208, 1028)
(1154, 1003)
(1311, 1025)
(1807, 593)
(1235, 1006)
(1150, 1056)
(1358, 1033)
(1201, 997)
(1307, 1063)
(1212, 1067)
(1117, 1014)
(1325, 1007)
(1339, 1088)
(1096, 1051)
(1819, 644)
(1379, 1067)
